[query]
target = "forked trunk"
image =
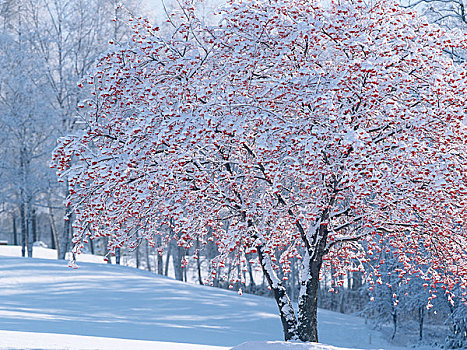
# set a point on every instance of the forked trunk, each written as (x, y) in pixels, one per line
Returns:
(304, 326)
(309, 282)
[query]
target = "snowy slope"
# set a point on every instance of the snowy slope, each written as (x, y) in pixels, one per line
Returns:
(46, 253)
(100, 300)
(34, 340)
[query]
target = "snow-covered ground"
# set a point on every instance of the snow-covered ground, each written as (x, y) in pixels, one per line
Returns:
(45, 304)
(46, 253)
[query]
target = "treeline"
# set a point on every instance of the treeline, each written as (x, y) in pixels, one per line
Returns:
(46, 48)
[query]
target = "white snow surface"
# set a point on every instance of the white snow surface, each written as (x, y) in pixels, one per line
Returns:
(44, 304)
(280, 345)
(34, 340)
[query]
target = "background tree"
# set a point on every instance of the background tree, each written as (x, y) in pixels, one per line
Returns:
(49, 45)
(26, 131)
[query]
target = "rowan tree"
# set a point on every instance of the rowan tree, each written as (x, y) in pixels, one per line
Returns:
(291, 129)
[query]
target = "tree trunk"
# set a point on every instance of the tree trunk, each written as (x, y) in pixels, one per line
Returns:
(160, 263)
(91, 246)
(148, 261)
(137, 256)
(293, 280)
(169, 251)
(394, 323)
(342, 302)
(30, 228)
(22, 211)
(15, 233)
(421, 316)
(52, 240)
(65, 241)
(287, 314)
(34, 226)
(53, 228)
(106, 250)
(308, 300)
(117, 256)
(158, 257)
(23, 196)
(66, 238)
(177, 261)
(229, 271)
(215, 282)
(252, 280)
(309, 284)
(198, 263)
(357, 280)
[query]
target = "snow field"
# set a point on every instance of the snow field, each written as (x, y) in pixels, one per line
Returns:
(45, 304)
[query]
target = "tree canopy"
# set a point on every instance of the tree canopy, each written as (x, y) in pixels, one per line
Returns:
(330, 133)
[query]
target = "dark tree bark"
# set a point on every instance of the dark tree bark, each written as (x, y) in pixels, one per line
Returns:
(148, 261)
(106, 250)
(421, 316)
(177, 261)
(198, 263)
(30, 228)
(357, 280)
(138, 263)
(308, 303)
(22, 211)
(198, 266)
(160, 264)
(159, 261)
(308, 298)
(117, 256)
(54, 233)
(66, 239)
(15, 233)
(34, 225)
(52, 238)
(252, 280)
(91, 246)
(167, 259)
(394, 323)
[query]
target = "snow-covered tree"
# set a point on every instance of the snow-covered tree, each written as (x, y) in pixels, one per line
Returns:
(26, 134)
(337, 130)
(56, 41)
(68, 35)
